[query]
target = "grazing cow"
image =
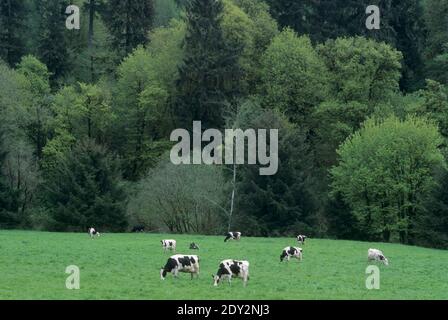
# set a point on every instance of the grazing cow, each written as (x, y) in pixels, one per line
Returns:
(168, 244)
(229, 269)
(377, 255)
(194, 246)
(139, 228)
(92, 232)
(181, 263)
(301, 239)
(232, 236)
(291, 252)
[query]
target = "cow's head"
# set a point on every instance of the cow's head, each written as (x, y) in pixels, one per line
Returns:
(162, 273)
(384, 260)
(216, 279)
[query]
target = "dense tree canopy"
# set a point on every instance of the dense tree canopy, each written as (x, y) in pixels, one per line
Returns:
(385, 170)
(86, 116)
(12, 27)
(128, 22)
(84, 190)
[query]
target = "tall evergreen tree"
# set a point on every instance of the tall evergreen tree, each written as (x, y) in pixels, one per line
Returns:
(283, 203)
(432, 226)
(129, 22)
(402, 26)
(12, 16)
(436, 53)
(52, 46)
(84, 190)
(9, 204)
(209, 75)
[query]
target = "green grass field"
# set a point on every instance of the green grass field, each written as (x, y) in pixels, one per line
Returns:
(126, 266)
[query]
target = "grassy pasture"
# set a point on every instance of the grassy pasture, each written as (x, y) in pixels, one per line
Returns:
(126, 266)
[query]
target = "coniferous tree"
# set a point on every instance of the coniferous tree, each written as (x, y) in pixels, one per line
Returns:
(52, 46)
(12, 14)
(432, 226)
(283, 203)
(402, 26)
(9, 205)
(129, 22)
(84, 190)
(209, 75)
(436, 53)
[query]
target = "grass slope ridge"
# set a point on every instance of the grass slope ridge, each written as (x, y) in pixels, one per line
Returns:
(126, 266)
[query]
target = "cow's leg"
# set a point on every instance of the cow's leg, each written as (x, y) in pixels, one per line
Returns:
(175, 272)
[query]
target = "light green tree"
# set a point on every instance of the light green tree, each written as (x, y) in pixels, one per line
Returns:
(141, 102)
(385, 170)
(294, 80)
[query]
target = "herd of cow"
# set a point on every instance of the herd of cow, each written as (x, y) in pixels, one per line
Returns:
(230, 268)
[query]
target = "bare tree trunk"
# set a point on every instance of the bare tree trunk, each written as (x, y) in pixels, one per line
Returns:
(233, 195)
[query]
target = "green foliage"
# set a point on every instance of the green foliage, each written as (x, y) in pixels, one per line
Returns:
(436, 18)
(12, 15)
(14, 154)
(385, 170)
(164, 11)
(432, 226)
(85, 190)
(361, 70)
(141, 105)
(9, 204)
(435, 105)
(128, 22)
(37, 85)
(136, 70)
(82, 112)
(281, 204)
(90, 48)
(248, 27)
(209, 77)
(180, 199)
(166, 54)
(364, 78)
(52, 45)
(402, 26)
(294, 79)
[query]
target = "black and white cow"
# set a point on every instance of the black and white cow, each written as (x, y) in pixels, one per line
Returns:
(181, 263)
(301, 239)
(194, 246)
(232, 236)
(229, 269)
(377, 255)
(168, 244)
(92, 233)
(291, 252)
(139, 228)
